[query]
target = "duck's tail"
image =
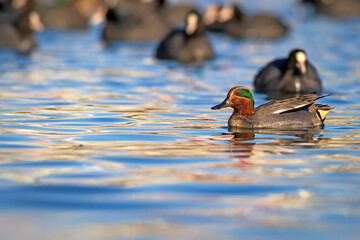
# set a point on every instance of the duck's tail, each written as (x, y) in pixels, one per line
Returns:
(322, 110)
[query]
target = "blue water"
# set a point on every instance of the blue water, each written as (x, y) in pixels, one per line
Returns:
(108, 143)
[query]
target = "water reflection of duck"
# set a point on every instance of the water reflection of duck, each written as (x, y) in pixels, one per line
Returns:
(336, 8)
(297, 112)
(189, 45)
(243, 144)
(17, 28)
(232, 21)
(294, 74)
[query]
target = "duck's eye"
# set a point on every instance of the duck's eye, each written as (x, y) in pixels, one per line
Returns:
(238, 93)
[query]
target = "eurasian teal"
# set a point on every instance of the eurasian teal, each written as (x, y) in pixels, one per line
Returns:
(297, 112)
(294, 74)
(189, 45)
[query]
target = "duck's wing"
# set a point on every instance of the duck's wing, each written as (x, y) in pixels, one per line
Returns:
(290, 104)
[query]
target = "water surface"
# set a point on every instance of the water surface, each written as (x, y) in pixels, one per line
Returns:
(108, 143)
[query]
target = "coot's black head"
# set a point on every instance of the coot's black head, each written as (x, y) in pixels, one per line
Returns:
(194, 24)
(230, 12)
(314, 1)
(111, 15)
(297, 61)
(7, 12)
(161, 3)
(5, 5)
(154, 4)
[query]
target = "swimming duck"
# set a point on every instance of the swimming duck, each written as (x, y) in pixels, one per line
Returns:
(130, 25)
(18, 34)
(75, 14)
(189, 45)
(336, 8)
(259, 26)
(297, 112)
(294, 74)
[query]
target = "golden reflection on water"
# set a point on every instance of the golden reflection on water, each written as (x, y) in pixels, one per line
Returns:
(174, 143)
(247, 151)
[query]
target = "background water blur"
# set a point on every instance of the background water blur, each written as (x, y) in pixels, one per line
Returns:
(108, 143)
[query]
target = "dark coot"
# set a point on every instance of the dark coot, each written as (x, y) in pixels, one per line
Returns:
(72, 15)
(294, 74)
(259, 26)
(134, 22)
(171, 14)
(189, 45)
(336, 8)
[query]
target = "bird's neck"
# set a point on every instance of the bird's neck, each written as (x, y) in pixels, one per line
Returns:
(245, 107)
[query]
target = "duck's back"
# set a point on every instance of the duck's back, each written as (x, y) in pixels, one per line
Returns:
(298, 119)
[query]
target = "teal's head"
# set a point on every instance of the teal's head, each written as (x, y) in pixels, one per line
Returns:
(61, 1)
(243, 92)
(240, 99)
